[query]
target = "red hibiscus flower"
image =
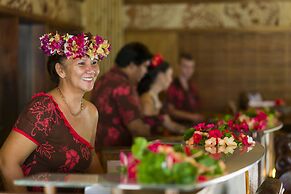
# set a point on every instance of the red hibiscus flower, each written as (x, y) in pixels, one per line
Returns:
(215, 133)
(201, 178)
(187, 151)
(197, 138)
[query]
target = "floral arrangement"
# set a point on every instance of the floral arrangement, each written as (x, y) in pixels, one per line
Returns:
(252, 120)
(157, 163)
(75, 46)
(218, 134)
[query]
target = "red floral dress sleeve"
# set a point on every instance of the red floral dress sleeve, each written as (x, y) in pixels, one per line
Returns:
(128, 104)
(35, 120)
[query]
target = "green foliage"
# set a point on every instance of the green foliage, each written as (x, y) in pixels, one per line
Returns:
(184, 173)
(188, 134)
(139, 146)
(152, 169)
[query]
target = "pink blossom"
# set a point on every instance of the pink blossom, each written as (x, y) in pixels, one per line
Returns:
(154, 146)
(244, 126)
(199, 126)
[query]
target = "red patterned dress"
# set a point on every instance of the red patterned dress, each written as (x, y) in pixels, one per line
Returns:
(59, 147)
(118, 104)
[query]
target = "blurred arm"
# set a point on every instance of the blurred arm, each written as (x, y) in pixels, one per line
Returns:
(12, 154)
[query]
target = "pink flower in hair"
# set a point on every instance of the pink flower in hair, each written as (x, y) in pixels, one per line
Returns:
(51, 44)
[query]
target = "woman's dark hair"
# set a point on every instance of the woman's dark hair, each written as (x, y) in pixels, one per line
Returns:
(149, 78)
(51, 67)
(134, 52)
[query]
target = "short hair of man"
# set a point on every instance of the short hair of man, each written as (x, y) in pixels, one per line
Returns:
(135, 52)
(186, 56)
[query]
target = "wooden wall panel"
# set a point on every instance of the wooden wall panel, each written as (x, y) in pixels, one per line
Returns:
(230, 62)
(163, 42)
(8, 74)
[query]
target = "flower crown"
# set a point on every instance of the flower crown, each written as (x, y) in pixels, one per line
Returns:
(75, 46)
(157, 60)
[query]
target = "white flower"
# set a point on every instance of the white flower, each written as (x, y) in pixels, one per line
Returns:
(211, 150)
(229, 141)
(221, 142)
(221, 149)
(210, 142)
(250, 140)
(229, 149)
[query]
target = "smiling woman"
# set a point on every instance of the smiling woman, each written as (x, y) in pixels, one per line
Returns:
(56, 131)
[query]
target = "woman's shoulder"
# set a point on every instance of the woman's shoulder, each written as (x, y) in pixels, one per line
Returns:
(91, 108)
(40, 99)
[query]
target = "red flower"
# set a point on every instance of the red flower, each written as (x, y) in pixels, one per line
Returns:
(199, 126)
(215, 133)
(197, 138)
(279, 102)
(244, 126)
(201, 178)
(154, 146)
(187, 151)
(157, 60)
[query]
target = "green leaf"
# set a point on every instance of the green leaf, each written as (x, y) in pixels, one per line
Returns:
(184, 173)
(207, 161)
(227, 117)
(188, 134)
(179, 148)
(152, 169)
(139, 146)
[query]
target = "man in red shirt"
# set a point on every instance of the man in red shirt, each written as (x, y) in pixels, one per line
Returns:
(182, 97)
(117, 101)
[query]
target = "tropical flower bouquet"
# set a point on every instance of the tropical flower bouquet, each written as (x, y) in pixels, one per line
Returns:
(158, 163)
(218, 134)
(252, 120)
(259, 119)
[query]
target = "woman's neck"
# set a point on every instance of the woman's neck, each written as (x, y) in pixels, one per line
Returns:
(72, 98)
(155, 89)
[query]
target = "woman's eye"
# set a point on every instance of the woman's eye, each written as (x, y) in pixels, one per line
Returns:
(81, 63)
(94, 62)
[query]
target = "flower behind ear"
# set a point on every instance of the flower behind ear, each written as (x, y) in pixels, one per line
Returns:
(157, 60)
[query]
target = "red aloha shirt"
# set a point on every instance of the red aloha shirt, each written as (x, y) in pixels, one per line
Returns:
(118, 104)
(59, 147)
(181, 99)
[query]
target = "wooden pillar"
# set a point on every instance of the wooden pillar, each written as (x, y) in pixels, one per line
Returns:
(8, 74)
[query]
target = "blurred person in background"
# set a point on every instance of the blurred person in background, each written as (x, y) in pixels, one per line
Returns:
(157, 80)
(116, 98)
(182, 96)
